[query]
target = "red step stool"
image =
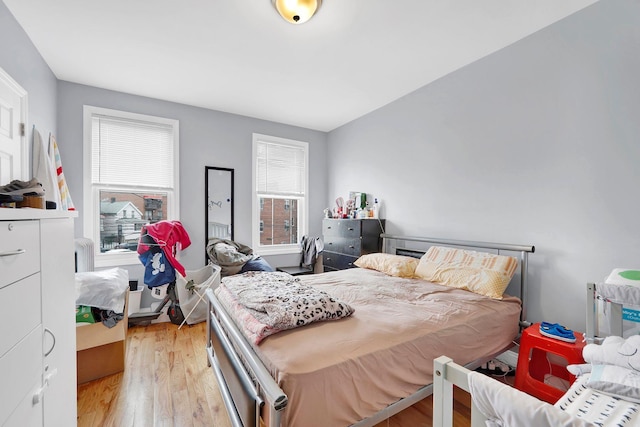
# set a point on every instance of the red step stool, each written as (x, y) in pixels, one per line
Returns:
(534, 363)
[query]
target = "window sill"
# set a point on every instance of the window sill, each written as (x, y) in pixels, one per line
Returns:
(277, 250)
(116, 259)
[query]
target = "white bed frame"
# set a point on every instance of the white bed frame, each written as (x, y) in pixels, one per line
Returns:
(446, 374)
(247, 388)
(592, 334)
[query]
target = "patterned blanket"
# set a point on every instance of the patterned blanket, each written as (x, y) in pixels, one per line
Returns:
(264, 303)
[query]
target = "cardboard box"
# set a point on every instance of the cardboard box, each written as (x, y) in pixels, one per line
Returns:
(101, 351)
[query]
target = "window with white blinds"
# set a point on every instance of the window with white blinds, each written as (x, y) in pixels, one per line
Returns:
(280, 169)
(141, 148)
(131, 179)
(280, 187)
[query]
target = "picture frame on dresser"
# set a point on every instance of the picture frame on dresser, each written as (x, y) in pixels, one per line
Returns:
(345, 240)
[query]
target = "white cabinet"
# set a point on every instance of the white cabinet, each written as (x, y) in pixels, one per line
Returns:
(37, 325)
(58, 319)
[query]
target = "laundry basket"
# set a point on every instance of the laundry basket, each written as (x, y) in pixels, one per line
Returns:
(192, 301)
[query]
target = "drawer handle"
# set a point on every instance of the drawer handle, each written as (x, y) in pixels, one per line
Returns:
(351, 247)
(37, 396)
(350, 228)
(53, 345)
(12, 253)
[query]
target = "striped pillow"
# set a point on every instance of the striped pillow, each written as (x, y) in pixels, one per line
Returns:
(480, 272)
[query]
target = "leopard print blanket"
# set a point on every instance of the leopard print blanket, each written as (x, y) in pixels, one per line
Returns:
(264, 303)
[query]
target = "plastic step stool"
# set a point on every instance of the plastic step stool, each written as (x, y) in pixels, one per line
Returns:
(536, 360)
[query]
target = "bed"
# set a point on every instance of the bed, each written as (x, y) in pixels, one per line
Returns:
(371, 365)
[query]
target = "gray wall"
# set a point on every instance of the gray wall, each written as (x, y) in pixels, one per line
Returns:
(207, 138)
(535, 144)
(22, 61)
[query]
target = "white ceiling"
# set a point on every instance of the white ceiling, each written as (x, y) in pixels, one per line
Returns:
(239, 56)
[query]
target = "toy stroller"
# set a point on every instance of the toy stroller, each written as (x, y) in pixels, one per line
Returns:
(158, 247)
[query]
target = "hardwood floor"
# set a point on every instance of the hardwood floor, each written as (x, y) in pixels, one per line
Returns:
(167, 382)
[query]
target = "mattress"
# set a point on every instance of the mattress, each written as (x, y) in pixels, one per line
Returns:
(336, 373)
(598, 408)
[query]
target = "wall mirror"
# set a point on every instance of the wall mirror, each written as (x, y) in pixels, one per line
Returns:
(218, 188)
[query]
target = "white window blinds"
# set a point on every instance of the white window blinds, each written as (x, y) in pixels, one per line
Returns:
(280, 169)
(131, 152)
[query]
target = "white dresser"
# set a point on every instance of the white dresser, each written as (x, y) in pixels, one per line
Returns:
(37, 320)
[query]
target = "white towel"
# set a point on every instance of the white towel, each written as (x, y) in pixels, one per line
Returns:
(44, 171)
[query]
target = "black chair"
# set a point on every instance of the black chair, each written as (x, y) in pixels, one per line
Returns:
(312, 247)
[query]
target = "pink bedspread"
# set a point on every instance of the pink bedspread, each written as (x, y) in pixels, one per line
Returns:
(340, 372)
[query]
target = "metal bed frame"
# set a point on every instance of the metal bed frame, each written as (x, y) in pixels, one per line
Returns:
(254, 399)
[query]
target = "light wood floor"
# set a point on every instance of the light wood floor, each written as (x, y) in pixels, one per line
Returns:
(167, 382)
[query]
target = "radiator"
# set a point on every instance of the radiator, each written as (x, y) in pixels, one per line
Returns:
(84, 254)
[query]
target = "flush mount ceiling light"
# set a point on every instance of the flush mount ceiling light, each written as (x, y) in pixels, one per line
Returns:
(297, 11)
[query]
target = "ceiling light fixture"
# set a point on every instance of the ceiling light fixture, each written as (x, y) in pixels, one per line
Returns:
(297, 11)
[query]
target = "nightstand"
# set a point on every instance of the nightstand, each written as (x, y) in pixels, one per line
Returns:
(542, 358)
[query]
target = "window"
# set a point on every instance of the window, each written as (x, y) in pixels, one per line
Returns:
(131, 179)
(280, 187)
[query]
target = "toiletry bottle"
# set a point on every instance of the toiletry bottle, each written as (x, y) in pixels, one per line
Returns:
(376, 208)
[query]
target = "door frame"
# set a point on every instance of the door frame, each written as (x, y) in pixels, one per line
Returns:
(8, 81)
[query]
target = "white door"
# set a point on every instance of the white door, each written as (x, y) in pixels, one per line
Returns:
(13, 147)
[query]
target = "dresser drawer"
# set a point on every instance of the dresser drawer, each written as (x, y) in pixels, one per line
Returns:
(338, 261)
(20, 369)
(348, 246)
(19, 250)
(341, 227)
(27, 413)
(21, 310)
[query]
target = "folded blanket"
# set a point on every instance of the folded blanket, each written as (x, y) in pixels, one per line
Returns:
(265, 303)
